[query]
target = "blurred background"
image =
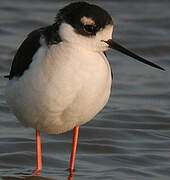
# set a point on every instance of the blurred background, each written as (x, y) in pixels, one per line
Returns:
(130, 138)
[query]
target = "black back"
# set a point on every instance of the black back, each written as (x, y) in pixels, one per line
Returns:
(70, 14)
(29, 47)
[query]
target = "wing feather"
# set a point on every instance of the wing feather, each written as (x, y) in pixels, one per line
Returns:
(29, 47)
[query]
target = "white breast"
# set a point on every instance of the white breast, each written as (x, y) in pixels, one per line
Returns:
(63, 87)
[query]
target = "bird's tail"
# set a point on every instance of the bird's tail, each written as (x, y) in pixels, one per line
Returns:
(4, 76)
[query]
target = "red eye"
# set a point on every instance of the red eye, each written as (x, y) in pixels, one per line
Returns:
(90, 29)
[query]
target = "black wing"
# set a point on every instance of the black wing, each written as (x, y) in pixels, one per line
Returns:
(26, 51)
(29, 47)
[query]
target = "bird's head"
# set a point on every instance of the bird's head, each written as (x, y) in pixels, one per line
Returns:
(89, 26)
(85, 25)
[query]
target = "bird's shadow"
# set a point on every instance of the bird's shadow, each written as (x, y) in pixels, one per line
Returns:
(26, 178)
(32, 177)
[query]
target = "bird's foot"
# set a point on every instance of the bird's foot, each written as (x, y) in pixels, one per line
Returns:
(71, 176)
(37, 171)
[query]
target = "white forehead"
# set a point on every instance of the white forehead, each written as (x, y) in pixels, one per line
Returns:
(105, 34)
(87, 21)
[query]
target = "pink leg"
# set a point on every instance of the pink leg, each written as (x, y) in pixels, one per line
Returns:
(71, 176)
(74, 146)
(38, 153)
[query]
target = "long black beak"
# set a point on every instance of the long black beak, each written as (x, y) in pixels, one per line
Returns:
(120, 48)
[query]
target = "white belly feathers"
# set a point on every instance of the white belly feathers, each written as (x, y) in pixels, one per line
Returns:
(63, 87)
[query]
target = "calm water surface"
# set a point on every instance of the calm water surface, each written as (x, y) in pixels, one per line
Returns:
(130, 138)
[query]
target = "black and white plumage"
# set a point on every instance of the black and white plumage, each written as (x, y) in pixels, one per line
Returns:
(70, 14)
(30, 46)
(60, 77)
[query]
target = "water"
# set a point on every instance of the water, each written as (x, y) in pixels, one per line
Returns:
(130, 138)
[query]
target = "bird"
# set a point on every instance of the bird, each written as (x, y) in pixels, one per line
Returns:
(60, 77)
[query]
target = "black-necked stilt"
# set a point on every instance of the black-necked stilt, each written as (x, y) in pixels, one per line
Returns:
(60, 77)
